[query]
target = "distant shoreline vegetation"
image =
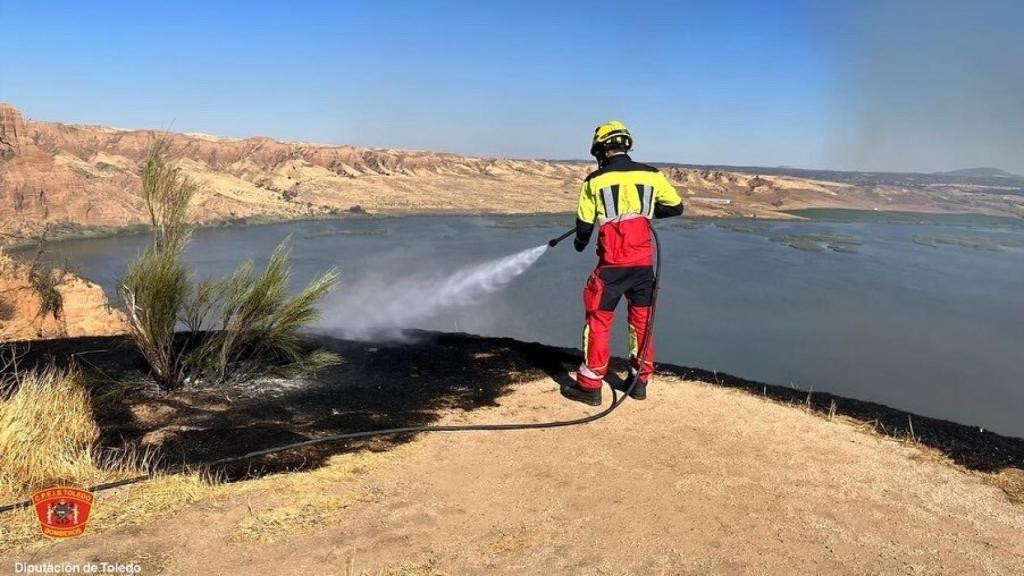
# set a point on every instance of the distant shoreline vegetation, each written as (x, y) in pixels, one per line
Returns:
(69, 231)
(841, 243)
(975, 242)
(898, 217)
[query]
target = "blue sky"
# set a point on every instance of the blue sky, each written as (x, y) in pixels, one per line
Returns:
(862, 85)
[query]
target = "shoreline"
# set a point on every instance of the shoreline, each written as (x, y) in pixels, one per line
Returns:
(836, 216)
(970, 445)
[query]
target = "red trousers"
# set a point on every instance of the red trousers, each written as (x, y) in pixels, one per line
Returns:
(604, 289)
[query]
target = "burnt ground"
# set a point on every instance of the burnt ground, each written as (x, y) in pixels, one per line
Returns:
(412, 383)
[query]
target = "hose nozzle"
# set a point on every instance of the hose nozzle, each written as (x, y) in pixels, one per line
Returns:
(554, 241)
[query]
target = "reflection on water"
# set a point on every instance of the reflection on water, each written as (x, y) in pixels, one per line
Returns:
(861, 309)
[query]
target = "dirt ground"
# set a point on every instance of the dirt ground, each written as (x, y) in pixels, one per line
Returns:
(698, 479)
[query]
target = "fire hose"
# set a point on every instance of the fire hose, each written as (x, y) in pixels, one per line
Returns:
(616, 402)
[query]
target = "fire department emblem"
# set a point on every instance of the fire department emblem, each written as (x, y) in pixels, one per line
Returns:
(62, 512)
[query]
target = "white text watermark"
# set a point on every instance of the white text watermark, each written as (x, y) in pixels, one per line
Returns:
(77, 568)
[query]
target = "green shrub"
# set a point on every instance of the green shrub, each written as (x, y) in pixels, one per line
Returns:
(231, 328)
(253, 322)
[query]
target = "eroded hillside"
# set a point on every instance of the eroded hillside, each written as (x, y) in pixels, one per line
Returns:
(62, 178)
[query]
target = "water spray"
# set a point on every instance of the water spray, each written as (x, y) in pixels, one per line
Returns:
(373, 307)
(387, 306)
(534, 253)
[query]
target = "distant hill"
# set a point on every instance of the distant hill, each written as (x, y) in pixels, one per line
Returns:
(63, 179)
(981, 173)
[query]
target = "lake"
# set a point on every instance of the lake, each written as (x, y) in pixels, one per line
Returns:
(925, 317)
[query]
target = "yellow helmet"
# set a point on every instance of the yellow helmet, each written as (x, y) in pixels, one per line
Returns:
(613, 132)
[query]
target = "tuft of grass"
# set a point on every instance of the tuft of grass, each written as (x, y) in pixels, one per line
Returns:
(1011, 480)
(303, 502)
(47, 433)
(48, 437)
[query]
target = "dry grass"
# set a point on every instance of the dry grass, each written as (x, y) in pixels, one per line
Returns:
(403, 570)
(301, 502)
(309, 501)
(312, 514)
(48, 438)
(1011, 480)
(129, 506)
(47, 433)
(45, 445)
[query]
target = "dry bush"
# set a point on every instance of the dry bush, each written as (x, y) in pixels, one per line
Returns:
(1011, 480)
(45, 282)
(48, 434)
(43, 279)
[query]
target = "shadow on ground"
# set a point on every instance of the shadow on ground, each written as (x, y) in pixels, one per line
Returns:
(412, 383)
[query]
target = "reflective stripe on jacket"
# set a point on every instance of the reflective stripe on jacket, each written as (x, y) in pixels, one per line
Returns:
(620, 198)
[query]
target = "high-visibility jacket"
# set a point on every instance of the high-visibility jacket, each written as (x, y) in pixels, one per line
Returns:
(620, 198)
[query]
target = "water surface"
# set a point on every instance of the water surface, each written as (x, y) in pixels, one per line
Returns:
(875, 311)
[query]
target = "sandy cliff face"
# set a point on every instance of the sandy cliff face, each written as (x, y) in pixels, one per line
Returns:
(41, 184)
(84, 310)
(57, 176)
(12, 129)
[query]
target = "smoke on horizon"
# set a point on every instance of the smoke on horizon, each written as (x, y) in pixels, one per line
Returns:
(927, 85)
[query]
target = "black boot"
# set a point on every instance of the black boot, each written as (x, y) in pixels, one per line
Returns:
(639, 391)
(587, 396)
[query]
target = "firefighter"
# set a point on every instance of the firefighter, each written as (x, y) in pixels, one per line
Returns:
(619, 199)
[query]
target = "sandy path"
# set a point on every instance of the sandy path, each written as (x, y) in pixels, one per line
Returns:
(696, 480)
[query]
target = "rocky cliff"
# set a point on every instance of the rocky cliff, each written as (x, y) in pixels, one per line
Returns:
(76, 308)
(59, 177)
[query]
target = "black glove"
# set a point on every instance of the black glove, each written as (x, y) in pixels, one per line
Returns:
(579, 246)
